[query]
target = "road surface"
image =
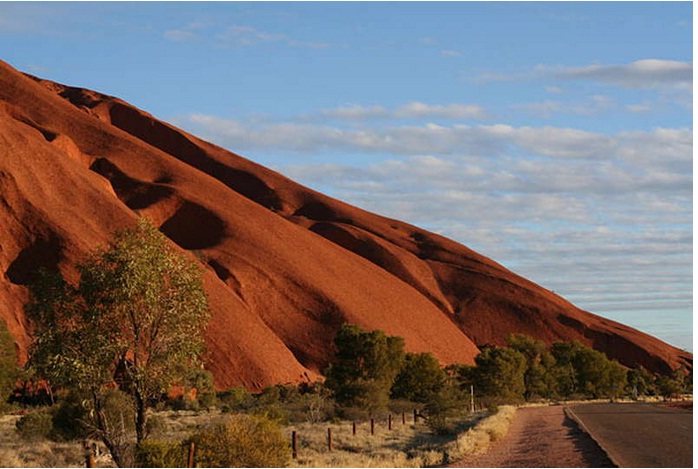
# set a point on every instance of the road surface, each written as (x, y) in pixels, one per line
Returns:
(541, 437)
(640, 435)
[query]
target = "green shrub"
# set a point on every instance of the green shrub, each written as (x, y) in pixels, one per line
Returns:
(9, 371)
(67, 419)
(364, 367)
(234, 399)
(420, 378)
(157, 453)
(440, 407)
(185, 403)
(35, 426)
(244, 441)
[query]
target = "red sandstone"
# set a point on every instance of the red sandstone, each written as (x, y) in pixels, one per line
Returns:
(284, 266)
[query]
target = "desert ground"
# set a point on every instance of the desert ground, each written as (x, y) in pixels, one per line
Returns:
(541, 437)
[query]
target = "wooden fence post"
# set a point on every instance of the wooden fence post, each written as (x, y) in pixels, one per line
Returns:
(89, 454)
(414, 415)
(353, 428)
(190, 456)
(294, 448)
(372, 424)
(390, 421)
(403, 417)
(329, 438)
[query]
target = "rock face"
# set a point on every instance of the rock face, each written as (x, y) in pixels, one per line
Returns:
(284, 266)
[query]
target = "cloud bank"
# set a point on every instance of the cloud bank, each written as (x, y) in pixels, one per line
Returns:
(604, 219)
(646, 73)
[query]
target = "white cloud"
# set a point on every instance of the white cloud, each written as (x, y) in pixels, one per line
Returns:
(638, 108)
(591, 106)
(237, 35)
(483, 140)
(449, 111)
(186, 33)
(647, 73)
(413, 110)
(356, 112)
(450, 53)
(28, 18)
(427, 41)
(246, 36)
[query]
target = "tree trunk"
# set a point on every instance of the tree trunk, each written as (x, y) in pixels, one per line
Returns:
(140, 416)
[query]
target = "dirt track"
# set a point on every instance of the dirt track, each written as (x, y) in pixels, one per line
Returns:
(541, 437)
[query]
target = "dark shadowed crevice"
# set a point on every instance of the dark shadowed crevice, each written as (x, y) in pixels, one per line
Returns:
(42, 253)
(194, 227)
(135, 194)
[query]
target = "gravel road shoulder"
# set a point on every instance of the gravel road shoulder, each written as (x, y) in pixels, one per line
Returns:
(541, 437)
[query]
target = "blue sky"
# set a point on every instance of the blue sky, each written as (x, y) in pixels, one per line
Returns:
(555, 138)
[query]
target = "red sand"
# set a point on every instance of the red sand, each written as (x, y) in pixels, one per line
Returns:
(285, 266)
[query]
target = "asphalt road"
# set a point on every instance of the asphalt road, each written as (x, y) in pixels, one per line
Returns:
(640, 435)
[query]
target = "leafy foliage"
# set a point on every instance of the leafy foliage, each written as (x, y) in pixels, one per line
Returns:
(365, 366)
(500, 373)
(668, 387)
(585, 371)
(135, 319)
(68, 418)
(441, 405)
(157, 453)
(539, 379)
(244, 441)
(9, 372)
(420, 378)
(35, 425)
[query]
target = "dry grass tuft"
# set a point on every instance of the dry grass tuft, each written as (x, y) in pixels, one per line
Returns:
(411, 445)
(478, 439)
(14, 452)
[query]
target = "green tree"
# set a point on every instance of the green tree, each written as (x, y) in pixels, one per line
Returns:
(500, 373)
(442, 404)
(668, 387)
(419, 379)
(135, 319)
(538, 378)
(641, 382)
(365, 366)
(9, 372)
(587, 371)
(564, 371)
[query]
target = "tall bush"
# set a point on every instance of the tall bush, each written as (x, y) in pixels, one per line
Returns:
(500, 373)
(420, 378)
(365, 367)
(9, 372)
(244, 441)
